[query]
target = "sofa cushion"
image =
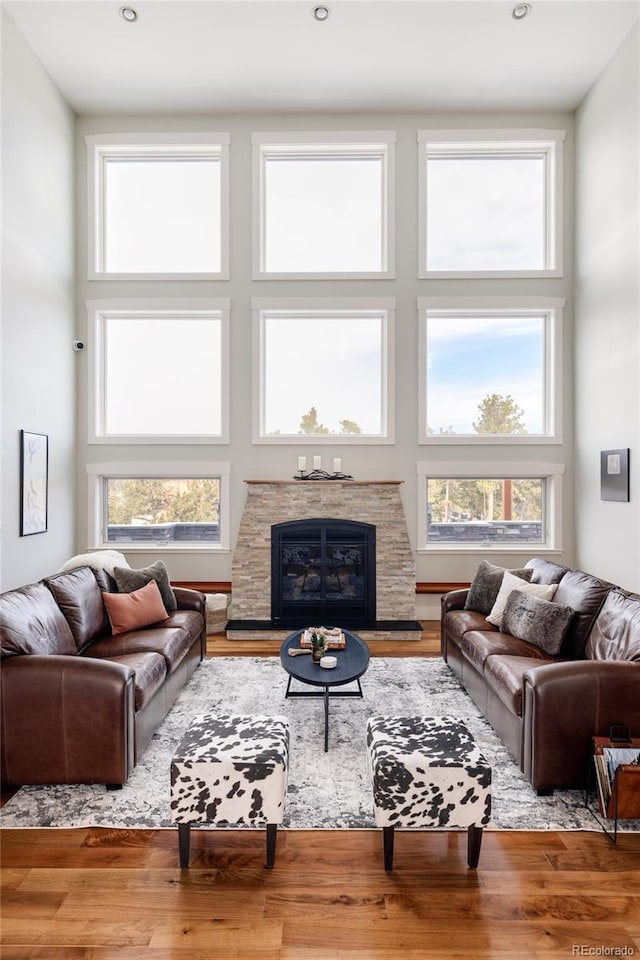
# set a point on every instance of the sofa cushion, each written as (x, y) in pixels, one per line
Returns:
(187, 620)
(543, 571)
(536, 620)
(131, 611)
(477, 646)
(32, 623)
(585, 594)
(129, 579)
(509, 585)
(150, 670)
(78, 595)
(504, 676)
(615, 635)
(486, 585)
(170, 642)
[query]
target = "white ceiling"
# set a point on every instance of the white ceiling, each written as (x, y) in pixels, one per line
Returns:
(244, 55)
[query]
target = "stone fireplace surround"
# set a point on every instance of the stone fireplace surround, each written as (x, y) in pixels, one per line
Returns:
(277, 501)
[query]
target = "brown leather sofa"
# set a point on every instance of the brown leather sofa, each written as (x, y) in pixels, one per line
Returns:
(78, 704)
(546, 708)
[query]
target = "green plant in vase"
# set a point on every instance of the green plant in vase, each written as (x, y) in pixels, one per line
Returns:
(318, 644)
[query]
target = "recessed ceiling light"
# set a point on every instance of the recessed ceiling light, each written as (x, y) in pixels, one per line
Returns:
(321, 13)
(521, 10)
(128, 14)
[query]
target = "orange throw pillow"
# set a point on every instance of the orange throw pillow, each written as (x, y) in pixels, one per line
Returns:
(130, 611)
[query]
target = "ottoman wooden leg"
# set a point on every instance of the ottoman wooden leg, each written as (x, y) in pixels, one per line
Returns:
(272, 830)
(184, 837)
(474, 842)
(387, 841)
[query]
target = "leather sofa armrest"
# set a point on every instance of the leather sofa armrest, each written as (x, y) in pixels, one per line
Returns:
(567, 703)
(66, 719)
(454, 600)
(188, 599)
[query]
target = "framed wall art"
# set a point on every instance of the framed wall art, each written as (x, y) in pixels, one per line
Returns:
(614, 474)
(34, 482)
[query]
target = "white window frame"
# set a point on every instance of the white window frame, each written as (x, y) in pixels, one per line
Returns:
(264, 307)
(102, 147)
(551, 473)
(149, 470)
(98, 310)
(461, 143)
(552, 310)
(379, 144)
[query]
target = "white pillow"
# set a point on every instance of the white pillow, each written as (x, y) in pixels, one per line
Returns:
(509, 584)
(98, 560)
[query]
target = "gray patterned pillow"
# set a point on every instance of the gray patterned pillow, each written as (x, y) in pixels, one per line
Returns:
(537, 621)
(486, 586)
(129, 579)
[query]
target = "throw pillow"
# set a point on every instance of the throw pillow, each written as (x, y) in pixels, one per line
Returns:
(511, 583)
(486, 584)
(98, 560)
(130, 611)
(537, 621)
(129, 579)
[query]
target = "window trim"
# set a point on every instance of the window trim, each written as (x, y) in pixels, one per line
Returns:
(151, 469)
(550, 143)
(98, 310)
(551, 473)
(552, 308)
(102, 146)
(262, 307)
(364, 143)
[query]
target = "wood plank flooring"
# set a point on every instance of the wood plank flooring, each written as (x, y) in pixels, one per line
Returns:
(101, 894)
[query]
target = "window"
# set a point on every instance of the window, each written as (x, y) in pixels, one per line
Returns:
(504, 507)
(158, 205)
(490, 203)
(159, 506)
(323, 371)
(160, 372)
(323, 205)
(490, 372)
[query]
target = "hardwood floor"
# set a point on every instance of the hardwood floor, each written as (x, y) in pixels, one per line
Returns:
(101, 894)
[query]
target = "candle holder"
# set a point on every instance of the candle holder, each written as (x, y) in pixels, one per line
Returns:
(321, 475)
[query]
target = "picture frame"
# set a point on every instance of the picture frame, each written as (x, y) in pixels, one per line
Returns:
(34, 483)
(614, 474)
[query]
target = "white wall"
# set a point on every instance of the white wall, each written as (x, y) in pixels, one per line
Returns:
(366, 462)
(38, 363)
(607, 314)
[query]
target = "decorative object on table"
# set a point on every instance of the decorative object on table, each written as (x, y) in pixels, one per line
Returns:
(321, 475)
(329, 663)
(318, 641)
(334, 637)
(34, 482)
(614, 474)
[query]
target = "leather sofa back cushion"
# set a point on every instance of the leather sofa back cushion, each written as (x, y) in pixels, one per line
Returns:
(131, 611)
(537, 621)
(616, 633)
(486, 585)
(32, 623)
(543, 571)
(585, 595)
(79, 597)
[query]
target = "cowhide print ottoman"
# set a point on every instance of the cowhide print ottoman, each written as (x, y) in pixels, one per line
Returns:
(427, 772)
(230, 769)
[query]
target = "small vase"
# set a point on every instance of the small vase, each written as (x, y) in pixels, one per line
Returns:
(317, 654)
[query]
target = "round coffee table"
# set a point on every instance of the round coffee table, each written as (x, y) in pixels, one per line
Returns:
(352, 663)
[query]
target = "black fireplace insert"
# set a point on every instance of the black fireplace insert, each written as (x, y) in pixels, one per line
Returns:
(323, 572)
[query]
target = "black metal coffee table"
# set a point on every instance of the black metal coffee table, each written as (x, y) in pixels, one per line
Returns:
(352, 663)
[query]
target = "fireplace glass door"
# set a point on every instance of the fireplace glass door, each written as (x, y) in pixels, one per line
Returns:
(323, 572)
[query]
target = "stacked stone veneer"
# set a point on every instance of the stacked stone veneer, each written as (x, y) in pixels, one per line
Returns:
(271, 502)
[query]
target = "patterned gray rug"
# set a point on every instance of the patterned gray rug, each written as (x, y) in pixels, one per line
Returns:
(326, 790)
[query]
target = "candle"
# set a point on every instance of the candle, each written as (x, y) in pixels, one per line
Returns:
(337, 465)
(302, 463)
(317, 463)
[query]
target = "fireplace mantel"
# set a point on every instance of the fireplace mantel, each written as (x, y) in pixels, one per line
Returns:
(271, 502)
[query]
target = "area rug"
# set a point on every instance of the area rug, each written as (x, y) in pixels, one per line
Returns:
(326, 790)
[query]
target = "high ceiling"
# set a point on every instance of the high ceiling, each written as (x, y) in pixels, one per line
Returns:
(245, 55)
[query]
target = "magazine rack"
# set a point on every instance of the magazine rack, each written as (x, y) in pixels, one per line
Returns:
(618, 796)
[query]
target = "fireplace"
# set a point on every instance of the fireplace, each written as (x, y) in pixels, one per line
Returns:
(323, 571)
